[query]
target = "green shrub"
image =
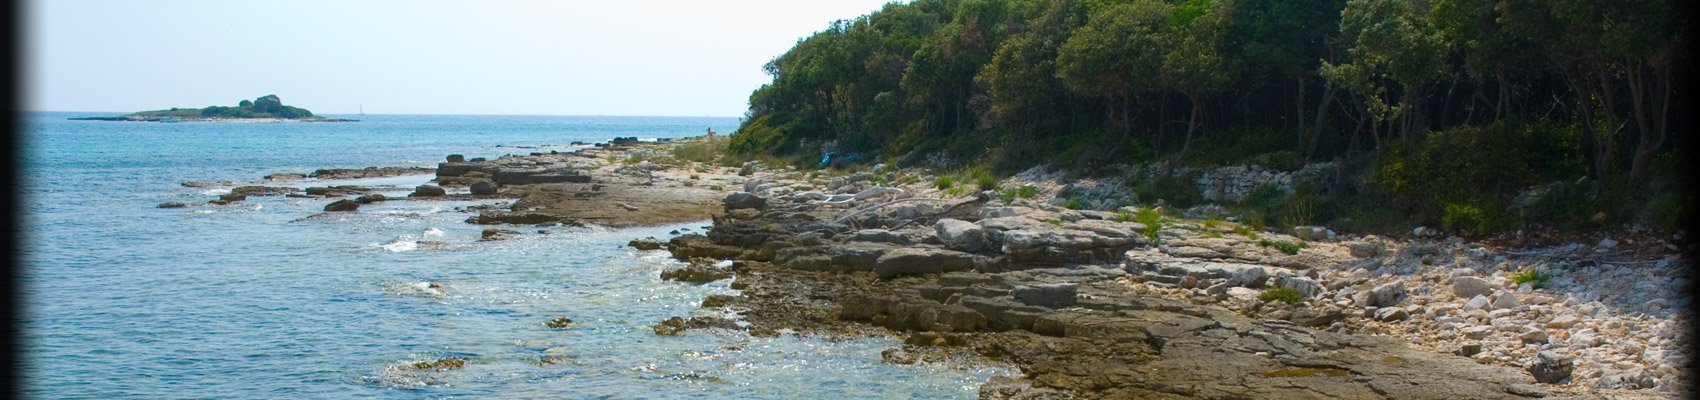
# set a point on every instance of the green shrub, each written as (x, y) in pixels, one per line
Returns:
(1282, 293)
(703, 150)
(1073, 202)
(986, 182)
(1243, 230)
(1464, 217)
(1027, 192)
(1532, 277)
(1284, 246)
(1153, 223)
(944, 182)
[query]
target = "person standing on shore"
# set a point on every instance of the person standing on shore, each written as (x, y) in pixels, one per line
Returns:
(710, 133)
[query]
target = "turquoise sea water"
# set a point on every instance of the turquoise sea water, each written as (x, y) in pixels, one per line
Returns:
(262, 300)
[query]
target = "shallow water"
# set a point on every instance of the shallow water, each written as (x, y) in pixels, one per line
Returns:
(264, 299)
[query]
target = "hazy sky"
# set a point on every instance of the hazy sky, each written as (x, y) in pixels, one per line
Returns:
(686, 58)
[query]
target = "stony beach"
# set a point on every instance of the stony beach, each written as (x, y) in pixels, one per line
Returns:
(1104, 303)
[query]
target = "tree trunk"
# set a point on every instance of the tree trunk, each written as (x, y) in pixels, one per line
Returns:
(1321, 117)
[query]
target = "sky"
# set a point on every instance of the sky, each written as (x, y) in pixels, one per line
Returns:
(643, 57)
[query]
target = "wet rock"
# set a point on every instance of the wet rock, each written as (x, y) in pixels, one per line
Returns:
(262, 190)
(1054, 295)
(428, 191)
(456, 158)
(559, 323)
(497, 234)
(1469, 286)
(696, 273)
(519, 218)
(646, 244)
(173, 204)
(368, 172)
(285, 177)
(961, 235)
(342, 205)
(370, 198)
(676, 325)
(743, 200)
(717, 301)
(483, 188)
(434, 365)
(1550, 367)
(232, 197)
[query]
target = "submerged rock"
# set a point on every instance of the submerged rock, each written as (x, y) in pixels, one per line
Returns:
(560, 323)
(173, 204)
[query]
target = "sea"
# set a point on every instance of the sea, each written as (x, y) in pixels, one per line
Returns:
(267, 298)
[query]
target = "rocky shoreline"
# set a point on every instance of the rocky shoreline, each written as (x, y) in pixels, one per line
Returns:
(1104, 304)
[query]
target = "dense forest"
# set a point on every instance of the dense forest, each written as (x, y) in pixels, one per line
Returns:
(1446, 110)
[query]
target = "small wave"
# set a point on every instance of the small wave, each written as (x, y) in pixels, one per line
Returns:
(215, 191)
(423, 288)
(433, 232)
(401, 243)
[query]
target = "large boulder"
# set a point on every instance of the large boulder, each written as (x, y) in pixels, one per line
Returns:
(483, 188)
(456, 158)
(428, 191)
(743, 200)
(961, 235)
(1388, 294)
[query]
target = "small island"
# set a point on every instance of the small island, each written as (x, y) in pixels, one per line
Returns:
(268, 108)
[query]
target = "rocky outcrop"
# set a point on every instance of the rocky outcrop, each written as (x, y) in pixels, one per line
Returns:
(368, 172)
(428, 191)
(483, 188)
(343, 205)
(744, 200)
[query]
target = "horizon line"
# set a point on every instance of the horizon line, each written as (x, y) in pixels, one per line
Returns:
(493, 115)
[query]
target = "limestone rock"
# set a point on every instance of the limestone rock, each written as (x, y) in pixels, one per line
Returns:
(1053, 295)
(1388, 294)
(920, 260)
(1470, 286)
(483, 188)
(961, 235)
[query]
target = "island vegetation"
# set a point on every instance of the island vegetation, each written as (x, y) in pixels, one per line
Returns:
(268, 107)
(1441, 112)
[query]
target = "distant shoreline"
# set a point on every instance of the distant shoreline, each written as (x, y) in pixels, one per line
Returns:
(241, 120)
